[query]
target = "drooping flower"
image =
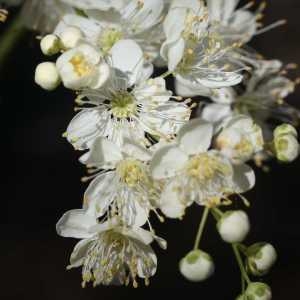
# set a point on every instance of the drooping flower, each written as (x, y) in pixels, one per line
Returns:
(129, 105)
(123, 185)
(262, 98)
(193, 173)
(109, 252)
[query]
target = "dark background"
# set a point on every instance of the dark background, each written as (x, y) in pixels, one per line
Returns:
(41, 180)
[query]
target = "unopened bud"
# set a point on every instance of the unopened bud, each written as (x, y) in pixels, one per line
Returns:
(71, 37)
(258, 291)
(50, 44)
(234, 226)
(286, 147)
(261, 257)
(46, 76)
(197, 266)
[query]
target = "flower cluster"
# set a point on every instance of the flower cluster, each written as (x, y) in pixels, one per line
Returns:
(144, 152)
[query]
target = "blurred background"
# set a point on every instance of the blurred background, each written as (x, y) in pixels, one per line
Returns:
(41, 180)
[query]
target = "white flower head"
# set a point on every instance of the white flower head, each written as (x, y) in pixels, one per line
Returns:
(195, 173)
(197, 266)
(82, 67)
(122, 186)
(239, 139)
(109, 252)
(287, 147)
(129, 105)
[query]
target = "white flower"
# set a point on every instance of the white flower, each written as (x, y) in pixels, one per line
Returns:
(135, 20)
(258, 291)
(196, 55)
(260, 258)
(46, 76)
(124, 186)
(109, 253)
(234, 226)
(197, 266)
(239, 139)
(50, 44)
(129, 105)
(194, 173)
(82, 67)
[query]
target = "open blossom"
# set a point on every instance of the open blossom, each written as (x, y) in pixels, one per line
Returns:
(109, 253)
(193, 173)
(123, 185)
(129, 105)
(135, 20)
(195, 54)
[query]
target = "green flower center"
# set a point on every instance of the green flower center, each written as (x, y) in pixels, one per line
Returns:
(123, 105)
(109, 38)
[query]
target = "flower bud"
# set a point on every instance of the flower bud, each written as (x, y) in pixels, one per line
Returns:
(285, 129)
(71, 37)
(261, 257)
(50, 44)
(234, 226)
(240, 138)
(286, 147)
(46, 76)
(197, 266)
(258, 291)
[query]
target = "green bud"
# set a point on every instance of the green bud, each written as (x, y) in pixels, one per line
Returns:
(261, 257)
(285, 129)
(258, 291)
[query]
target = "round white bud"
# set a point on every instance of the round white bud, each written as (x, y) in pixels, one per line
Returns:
(197, 266)
(46, 76)
(285, 129)
(258, 291)
(234, 226)
(286, 147)
(71, 37)
(50, 44)
(261, 257)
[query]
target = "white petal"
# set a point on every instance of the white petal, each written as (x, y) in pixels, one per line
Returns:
(133, 149)
(243, 179)
(167, 161)
(187, 88)
(127, 56)
(175, 54)
(195, 137)
(103, 152)
(170, 203)
(215, 112)
(99, 194)
(76, 223)
(79, 253)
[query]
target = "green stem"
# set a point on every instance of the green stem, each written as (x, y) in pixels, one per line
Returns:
(240, 263)
(9, 38)
(201, 228)
(166, 74)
